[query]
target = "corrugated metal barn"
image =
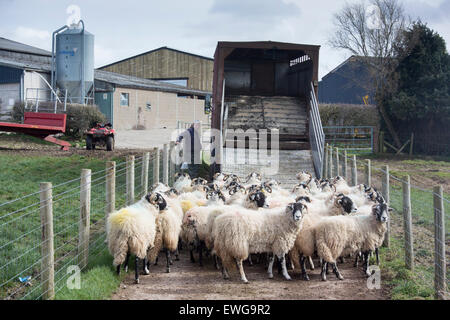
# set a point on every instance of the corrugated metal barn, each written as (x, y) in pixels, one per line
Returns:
(348, 83)
(168, 65)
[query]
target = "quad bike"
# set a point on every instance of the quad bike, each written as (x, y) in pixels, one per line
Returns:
(100, 135)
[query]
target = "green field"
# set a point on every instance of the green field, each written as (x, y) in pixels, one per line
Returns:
(20, 230)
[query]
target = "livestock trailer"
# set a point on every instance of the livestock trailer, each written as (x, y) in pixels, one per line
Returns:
(264, 100)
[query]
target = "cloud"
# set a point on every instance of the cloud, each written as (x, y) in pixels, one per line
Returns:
(262, 9)
(103, 55)
(32, 34)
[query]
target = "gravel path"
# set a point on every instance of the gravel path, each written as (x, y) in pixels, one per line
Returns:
(190, 281)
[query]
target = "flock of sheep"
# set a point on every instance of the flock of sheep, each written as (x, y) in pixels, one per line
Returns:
(232, 221)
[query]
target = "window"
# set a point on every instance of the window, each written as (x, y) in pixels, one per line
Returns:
(149, 106)
(124, 99)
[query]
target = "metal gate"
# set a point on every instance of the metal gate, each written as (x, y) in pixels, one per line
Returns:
(357, 138)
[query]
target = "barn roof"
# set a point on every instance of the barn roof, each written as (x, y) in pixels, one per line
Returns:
(106, 76)
(154, 50)
(14, 46)
(146, 84)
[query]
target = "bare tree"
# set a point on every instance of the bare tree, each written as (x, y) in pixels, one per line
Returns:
(371, 30)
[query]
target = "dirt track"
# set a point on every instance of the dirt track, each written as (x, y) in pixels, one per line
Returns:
(190, 281)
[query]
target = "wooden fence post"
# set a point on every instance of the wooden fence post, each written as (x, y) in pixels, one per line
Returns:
(337, 169)
(325, 162)
(110, 188)
(354, 171)
(368, 173)
(381, 142)
(386, 195)
(407, 224)
(85, 217)
(47, 249)
(166, 164)
(130, 180)
(440, 272)
(344, 165)
(156, 166)
(330, 163)
(144, 172)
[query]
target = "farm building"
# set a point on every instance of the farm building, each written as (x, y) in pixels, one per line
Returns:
(23, 72)
(348, 83)
(168, 65)
(132, 103)
(128, 102)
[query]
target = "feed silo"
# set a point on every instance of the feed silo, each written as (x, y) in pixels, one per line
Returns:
(74, 63)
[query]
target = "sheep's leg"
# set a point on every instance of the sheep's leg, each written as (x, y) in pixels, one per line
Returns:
(145, 267)
(283, 266)
(303, 267)
(336, 271)
(250, 262)
(366, 263)
(270, 268)
(216, 262)
(327, 265)
(321, 262)
(180, 246)
(241, 270)
(168, 261)
(118, 269)
(191, 252)
(289, 264)
(156, 261)
(225, 272)
(125, 265)
(358, 256)
(341, 260)
(324, 271)
(200, 254)
(278, 264)
(136, 270)
(311, 263)
(177, 255)
(377, 256)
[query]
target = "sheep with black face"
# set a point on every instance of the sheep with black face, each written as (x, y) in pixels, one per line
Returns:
(240, 232)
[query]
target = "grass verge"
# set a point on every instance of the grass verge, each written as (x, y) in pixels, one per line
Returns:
(98, 282)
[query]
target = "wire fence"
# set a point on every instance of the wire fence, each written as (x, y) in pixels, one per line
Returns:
(37, 254)
(420, 217)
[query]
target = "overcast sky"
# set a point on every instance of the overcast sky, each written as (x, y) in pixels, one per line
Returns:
(126, 28)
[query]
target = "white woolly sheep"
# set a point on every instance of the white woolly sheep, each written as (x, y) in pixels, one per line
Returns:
(342, 235)
(132, 230)
(240, 232)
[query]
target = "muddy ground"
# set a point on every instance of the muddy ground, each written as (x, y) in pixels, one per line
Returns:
(189, 281)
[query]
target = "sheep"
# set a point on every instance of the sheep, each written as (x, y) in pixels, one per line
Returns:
(241, 232)
(132, 230)
(340, 235)
(195, 223)
(252, 178)
(169, 227)
(182, 182)
(304, 243)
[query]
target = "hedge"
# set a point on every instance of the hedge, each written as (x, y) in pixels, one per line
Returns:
(79, 117)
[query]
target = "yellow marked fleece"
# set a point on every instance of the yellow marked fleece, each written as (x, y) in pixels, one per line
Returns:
(118, 218)
(187, 205)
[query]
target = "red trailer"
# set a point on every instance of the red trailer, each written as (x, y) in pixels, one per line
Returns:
(40, 125)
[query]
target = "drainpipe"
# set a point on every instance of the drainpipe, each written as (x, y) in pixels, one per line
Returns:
(53, 57)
